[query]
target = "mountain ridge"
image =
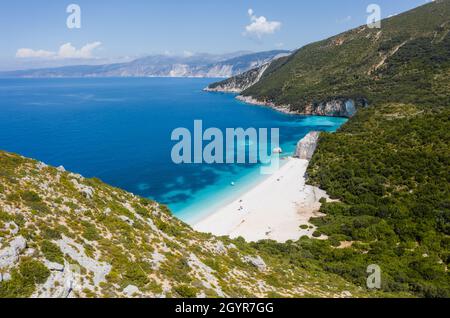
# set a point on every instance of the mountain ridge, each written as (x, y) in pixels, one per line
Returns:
(355, 65)
(197, 65)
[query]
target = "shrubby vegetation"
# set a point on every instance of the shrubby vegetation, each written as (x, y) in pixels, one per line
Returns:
(24, 279)
(389, 166)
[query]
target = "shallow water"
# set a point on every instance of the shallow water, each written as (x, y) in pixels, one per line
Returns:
(119, 131)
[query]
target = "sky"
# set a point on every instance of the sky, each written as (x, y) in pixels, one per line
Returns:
(36, 33)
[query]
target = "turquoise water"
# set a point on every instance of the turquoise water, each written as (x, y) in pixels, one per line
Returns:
(119, 131)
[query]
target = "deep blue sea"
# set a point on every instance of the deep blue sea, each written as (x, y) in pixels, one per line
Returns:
(119, 130)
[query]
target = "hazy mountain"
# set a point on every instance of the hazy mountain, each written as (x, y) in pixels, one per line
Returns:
(196, 65)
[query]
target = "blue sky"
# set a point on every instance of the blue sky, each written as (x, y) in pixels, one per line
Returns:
(113, 29)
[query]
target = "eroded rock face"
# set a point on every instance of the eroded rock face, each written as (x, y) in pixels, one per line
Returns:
(307, 146)
(240, 82)
(335, 108)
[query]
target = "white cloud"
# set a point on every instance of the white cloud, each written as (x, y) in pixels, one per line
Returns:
(29, 53)
(66, 51)
(260, 26)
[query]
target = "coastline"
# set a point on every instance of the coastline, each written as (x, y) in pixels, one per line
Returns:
(280, 206)
(253, 101)
(275, 208)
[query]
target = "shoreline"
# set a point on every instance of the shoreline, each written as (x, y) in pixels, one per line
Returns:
(274, 208)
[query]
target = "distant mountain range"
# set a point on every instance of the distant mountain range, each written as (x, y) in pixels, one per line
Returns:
(197, 65)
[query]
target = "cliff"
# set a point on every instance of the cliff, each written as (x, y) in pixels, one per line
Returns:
(240, 82)
(306, 146)
(335, 108)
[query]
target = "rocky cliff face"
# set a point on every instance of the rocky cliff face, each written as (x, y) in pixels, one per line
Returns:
(335, 108)
(306, 146)
(240, 82)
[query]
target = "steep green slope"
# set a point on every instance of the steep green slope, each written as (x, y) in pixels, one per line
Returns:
(365, 65)
(64, 235)
(389, 166)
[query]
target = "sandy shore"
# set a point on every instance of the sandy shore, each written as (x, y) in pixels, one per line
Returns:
(274, 209)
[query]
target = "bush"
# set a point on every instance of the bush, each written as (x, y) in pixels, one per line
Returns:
(52, 252)
(50, 234)
(30, 196)
(90, 232)
(184, 291)
(24, 279)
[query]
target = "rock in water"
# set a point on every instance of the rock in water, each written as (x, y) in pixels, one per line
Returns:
(307, 146)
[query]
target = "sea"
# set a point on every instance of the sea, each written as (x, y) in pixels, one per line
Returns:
(119, 130)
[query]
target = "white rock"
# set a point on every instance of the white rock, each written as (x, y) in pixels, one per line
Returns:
(346, 294)
(10, 255)
(76, 251)
(54, 266)
(13, 228)
(29, 252)
(208, 279)
(61, 169)
(87, 191)
(307, 146)
(5, 277)
(41, 165)
(257, 261)
(131, 290)
(126, 219)
(157, 259)
(220, 248)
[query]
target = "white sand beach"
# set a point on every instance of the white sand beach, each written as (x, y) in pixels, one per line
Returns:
(274, 209)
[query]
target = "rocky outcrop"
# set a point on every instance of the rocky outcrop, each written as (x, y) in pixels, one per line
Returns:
(240, 82)
(254, 101)
(335, 108)
(85, 190)
(9, 256)
(306, 146)
(256, 261)
(131, 290)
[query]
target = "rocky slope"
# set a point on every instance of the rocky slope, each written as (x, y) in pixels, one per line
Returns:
(62, 235)
(240, 82)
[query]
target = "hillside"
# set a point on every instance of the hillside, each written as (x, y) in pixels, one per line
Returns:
(52, 221)
(410, 53)
(389, 166)
(197, 65)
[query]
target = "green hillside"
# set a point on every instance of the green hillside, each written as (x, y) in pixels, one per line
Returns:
(401, 62)
(389, 166)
